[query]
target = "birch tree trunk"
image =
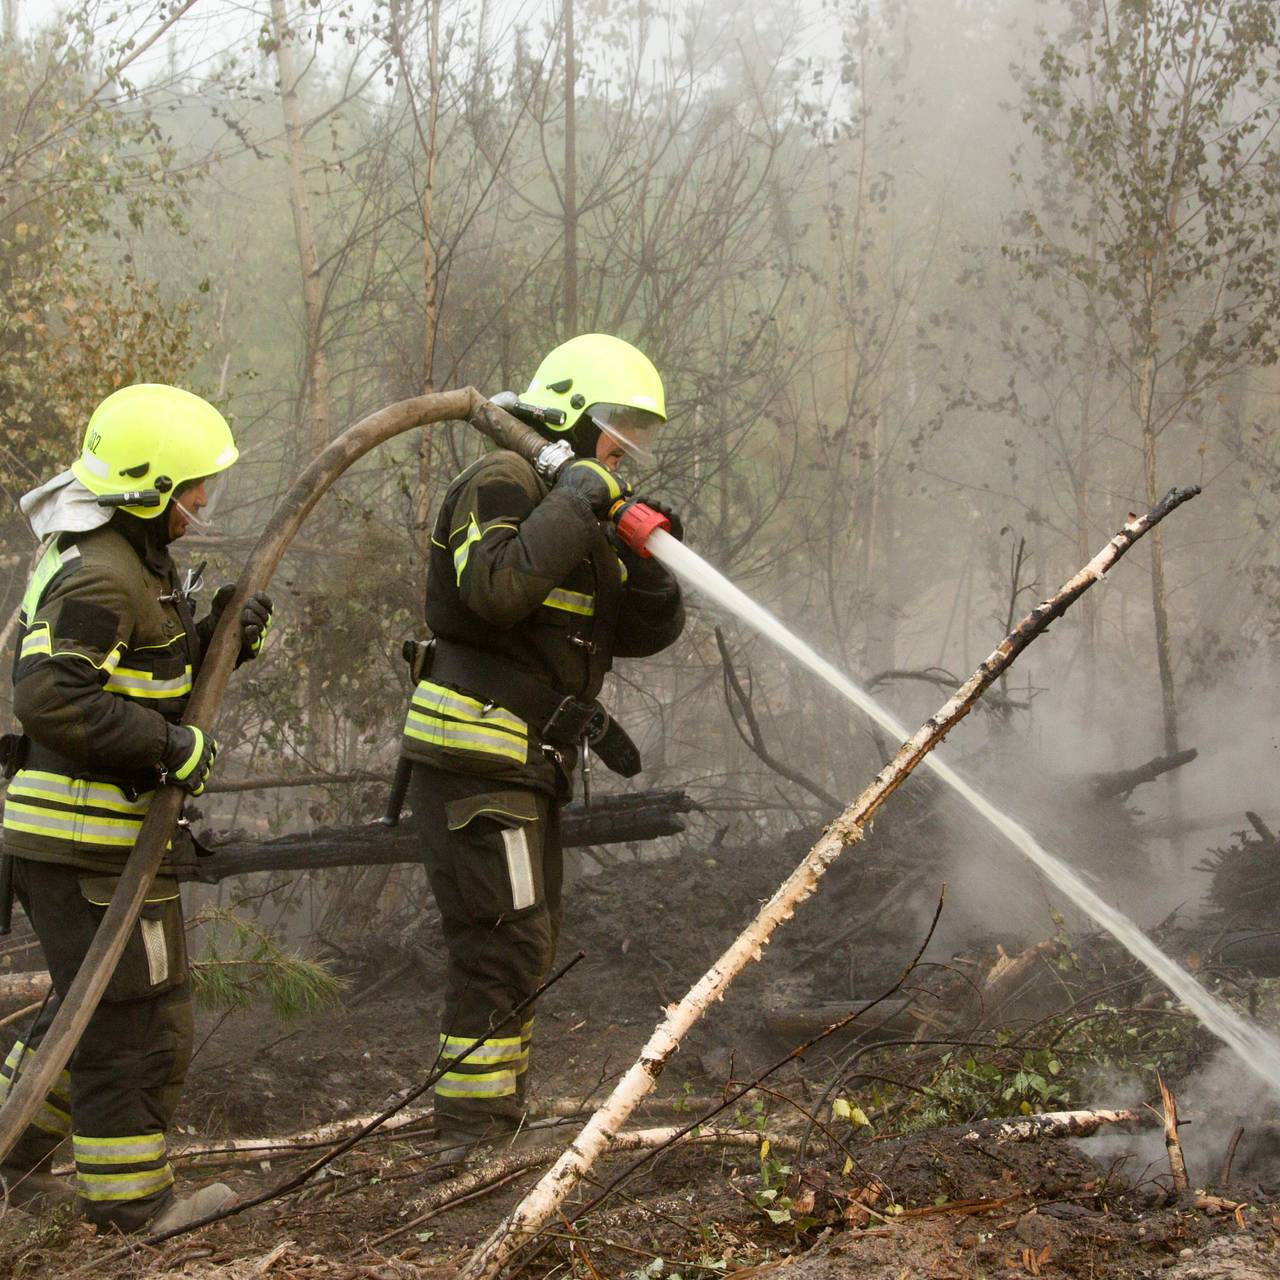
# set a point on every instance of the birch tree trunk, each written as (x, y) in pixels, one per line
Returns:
(570, 178)
(312, 416)
(316, 407)
(427, 131)
(545, 1199)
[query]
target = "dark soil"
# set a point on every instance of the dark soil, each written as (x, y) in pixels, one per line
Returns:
(930, 1204)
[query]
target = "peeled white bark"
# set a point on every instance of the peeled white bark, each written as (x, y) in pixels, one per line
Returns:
(1048, 1124)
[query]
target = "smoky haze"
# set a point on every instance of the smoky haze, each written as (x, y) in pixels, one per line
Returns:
(897, 306)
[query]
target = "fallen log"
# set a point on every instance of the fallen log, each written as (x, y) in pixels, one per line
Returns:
(547, 1197)
(1047, 1124)
(495, 1172)
(620, 819)
(1119, 784)
(231, 1151)
(31, 985)
(248, 1150)
(1008, 978)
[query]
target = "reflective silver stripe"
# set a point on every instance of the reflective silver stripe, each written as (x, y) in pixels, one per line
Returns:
(81, 830)
(508, 1049)
(134, 1148)
(36, 642)
(519, 867)
(51, 564)
(462, 551)
(33, 784)
(449, 733)
(139, 684)
(493, 1084)
(153, 944)
(122, 1186)
(52, 1119)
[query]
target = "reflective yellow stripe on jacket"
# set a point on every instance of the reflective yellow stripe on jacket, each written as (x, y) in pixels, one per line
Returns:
(136, 683)
(443, 717)
(51, 564)
(74, 809)
(571, 602)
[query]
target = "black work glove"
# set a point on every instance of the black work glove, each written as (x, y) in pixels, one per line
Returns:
(188, 757)
(677, 525)
(593, 483)
(255, 620)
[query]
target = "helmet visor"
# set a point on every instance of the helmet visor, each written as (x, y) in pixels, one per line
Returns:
(201, 520)
(635, 430)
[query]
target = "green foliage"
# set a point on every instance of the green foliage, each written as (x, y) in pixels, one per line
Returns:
(78, 164)
(1160, 114)
(771, 1197)
(1060, 1072)
(242, 964)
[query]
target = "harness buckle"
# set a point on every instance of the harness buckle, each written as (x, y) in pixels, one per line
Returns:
(569, 721)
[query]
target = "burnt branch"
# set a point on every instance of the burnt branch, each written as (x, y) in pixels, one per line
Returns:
(755, 737)
(1120, 784)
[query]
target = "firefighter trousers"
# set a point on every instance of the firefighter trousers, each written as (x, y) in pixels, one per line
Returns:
(126, 1075)
(495, 864)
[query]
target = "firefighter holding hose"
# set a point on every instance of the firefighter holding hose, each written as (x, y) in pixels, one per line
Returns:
(531, 594)
(107, 651)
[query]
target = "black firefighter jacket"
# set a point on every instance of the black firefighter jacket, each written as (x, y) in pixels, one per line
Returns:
(105, 661)
(531, 576)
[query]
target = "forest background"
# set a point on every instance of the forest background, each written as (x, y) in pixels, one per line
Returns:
(940, 289)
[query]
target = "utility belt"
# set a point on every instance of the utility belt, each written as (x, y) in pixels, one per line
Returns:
(558, 719)
(133, 783)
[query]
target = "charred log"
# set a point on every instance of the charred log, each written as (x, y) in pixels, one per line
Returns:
(1121, 783)
(633, 816)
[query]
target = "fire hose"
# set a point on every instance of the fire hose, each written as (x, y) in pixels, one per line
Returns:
(82, 998)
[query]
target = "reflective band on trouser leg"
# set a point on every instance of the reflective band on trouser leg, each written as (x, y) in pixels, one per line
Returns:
(489, 1071)
(54, 1116)
(120, 1170)
(526, 1041)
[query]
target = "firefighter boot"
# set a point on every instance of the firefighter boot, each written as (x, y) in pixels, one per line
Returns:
(34, 1190)
(189, 1209)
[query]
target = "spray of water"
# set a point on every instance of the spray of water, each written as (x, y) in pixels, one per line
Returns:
(1259, 1050)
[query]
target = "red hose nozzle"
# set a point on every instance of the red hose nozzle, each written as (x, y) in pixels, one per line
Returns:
(636, 522)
